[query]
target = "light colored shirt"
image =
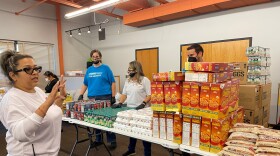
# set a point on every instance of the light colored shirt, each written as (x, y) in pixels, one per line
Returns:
(25, 127)
(136, 92)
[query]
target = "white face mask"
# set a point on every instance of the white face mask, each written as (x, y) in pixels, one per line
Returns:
(47, 79)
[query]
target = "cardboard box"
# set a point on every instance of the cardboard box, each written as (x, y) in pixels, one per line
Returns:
(169, 125)
(240, 71)
(219, 134)
(162, 125)
(160, 76)
(177, 130)
(253, 116)
(177, 76)
(207, 77)
(195, 99)
(186, 97)
(176, 97)
(156, 124)
(249, 96)
(196, 122)
(206, 66)
(167, 96)
(266, 94)
(204, 98)
(187, 129)
(205, 134)
(157, 97)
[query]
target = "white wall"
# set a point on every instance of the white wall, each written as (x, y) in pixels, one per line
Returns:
(260, 22)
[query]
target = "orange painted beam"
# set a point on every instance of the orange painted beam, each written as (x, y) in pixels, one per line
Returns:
(109, 14)
(30, 7)
(59, 40)
(68, 3)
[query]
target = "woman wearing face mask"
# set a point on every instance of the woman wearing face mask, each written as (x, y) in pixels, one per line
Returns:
(52, 79)
(100, 83)
(137, 93)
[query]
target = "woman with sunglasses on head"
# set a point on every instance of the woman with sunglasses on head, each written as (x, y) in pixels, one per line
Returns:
(32, 119)
(137, 93)
(52, 79)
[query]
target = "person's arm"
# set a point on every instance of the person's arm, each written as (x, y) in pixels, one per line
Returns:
(83, 89)
(113, 87)
(21, 126)
(122, 98)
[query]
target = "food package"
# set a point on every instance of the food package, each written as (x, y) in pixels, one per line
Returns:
(177, 130)
(205, 134)
(186, 97)
(187, 129)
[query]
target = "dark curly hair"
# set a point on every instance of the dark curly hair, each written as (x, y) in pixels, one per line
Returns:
(9, 62)
(49, 73)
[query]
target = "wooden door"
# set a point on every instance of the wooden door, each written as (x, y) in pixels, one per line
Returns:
(149, 60)
(221, 51)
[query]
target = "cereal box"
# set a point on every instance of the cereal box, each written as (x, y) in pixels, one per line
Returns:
(167, 96)
(219, 134)
(156, 124)
(176, 95)
(160, 76)
(187, 129)
(194, 99)
(157, 97)
(196, 122)
(204, 99)
(177, 130)
(176, 76)
(169, 125)
(205, 134)
(186, 98)
(162, 125)
(206, 66)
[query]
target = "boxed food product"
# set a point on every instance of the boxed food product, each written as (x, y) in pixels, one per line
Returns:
(169, 125)
(207, 77)
(167, 96)
(186, 97)
(176, 76)
(204, 98)
(160, 76)
(219, 96)
(162, 125)
(156, 124)
(256, 51)
(176, 96)
(240, 115)
(195, 99)
(240, 71)
(205, 133)
(196, 122)
(253, 116)
(187, 125)
(157, 97)
(177, 131)
(206, 66)
(219, 134)
(249, 96)
(257, 60)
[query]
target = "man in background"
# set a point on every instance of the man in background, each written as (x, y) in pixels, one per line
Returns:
(195, 53)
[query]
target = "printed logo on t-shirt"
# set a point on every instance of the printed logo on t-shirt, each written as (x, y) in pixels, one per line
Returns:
(95, 74)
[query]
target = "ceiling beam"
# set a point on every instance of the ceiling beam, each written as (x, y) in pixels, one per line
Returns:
(109, 14)
(162, 1)
(30, 7)
(65, 2)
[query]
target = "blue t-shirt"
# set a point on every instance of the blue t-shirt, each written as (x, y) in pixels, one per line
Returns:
(99, 80)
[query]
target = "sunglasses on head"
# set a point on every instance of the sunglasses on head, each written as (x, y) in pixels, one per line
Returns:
(29, 70)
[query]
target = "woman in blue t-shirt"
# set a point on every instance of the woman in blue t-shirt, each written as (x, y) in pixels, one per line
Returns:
(100, 83)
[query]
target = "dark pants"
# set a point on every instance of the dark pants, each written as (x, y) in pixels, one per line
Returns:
(147, 146)
(111, 137)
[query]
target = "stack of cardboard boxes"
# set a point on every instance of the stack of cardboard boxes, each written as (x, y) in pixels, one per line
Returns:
(255, 85)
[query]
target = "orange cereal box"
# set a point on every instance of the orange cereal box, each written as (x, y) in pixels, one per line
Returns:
(195, 98)
(160, 76)
(176, 95)
(205, 134)
(162, 125)
(157, 99)
(169, 125)
(206, 66)
(204, 99)
(177, 130)
(177, 76)
(167, 96)
(219, 134)
(186, 98)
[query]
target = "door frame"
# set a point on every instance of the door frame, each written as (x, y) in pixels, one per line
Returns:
(226, 40)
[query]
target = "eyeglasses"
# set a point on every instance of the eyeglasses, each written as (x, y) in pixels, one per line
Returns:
(29, 70)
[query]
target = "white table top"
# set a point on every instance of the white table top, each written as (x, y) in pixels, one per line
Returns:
(165, 143)
(194, 150)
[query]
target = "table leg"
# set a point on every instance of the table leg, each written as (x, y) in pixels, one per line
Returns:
(77, 140)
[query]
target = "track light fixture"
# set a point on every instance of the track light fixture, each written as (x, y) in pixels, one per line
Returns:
(87, 28)
(79, 32)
